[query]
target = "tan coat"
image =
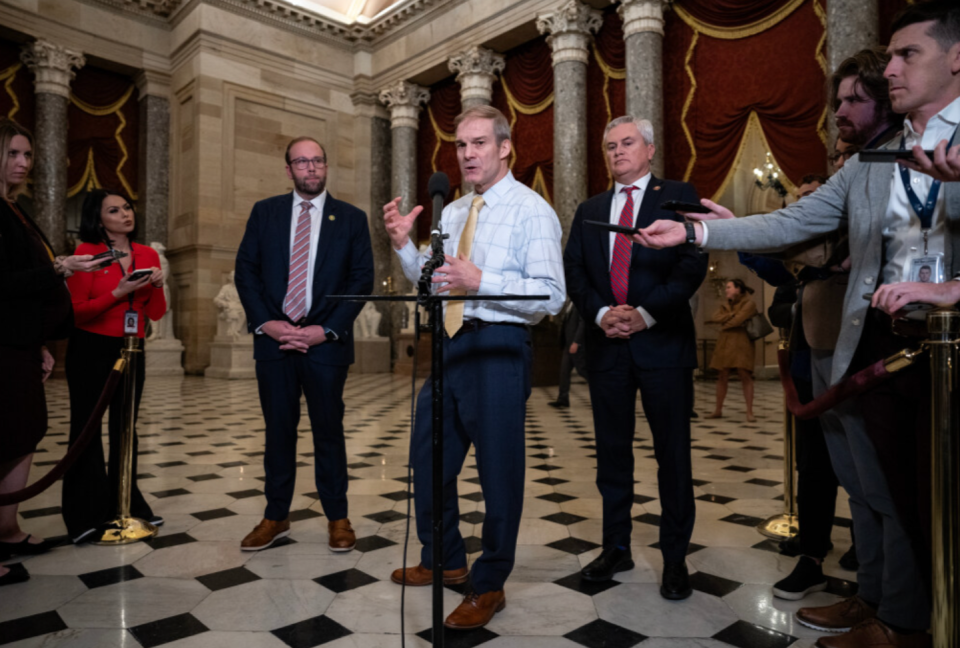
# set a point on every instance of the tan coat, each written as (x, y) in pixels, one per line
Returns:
(734, 349)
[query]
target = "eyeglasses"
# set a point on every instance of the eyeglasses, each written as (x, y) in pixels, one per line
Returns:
(303, 163)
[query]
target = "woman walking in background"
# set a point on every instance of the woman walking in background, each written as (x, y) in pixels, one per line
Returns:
(735, 349)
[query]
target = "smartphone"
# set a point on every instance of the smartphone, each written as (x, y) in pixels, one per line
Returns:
(889, 155)
(619, 229)
(679, 205)
(108, 257)
(138, 275)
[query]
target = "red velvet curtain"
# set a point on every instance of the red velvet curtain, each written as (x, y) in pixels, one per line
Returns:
(732, 13)
(776, 74)
(16, 86)
(103, 132)
(606, 96)
(529, 76)
(434, 150)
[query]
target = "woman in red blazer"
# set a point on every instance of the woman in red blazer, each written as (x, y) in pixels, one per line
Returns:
(105, 304)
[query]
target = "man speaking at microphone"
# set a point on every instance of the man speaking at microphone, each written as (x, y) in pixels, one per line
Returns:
(504, 240)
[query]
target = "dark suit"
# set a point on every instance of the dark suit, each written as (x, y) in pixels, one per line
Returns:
(658, 361)
(344, 265)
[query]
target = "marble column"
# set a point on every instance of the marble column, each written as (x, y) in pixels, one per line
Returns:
(404, 100)
(153, 184)
(569, 32)
(852, 25)
(477, 69)
(643, 35)
(380, 194)
(53, 69)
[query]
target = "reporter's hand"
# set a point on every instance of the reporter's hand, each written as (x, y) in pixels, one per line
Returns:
(891, 298)
(945, 165)
(661, 234)
(157, 277)
(46, 362)
(80, 263)
(716, 212)
(398, 226)
(574, 348)
(126, 286)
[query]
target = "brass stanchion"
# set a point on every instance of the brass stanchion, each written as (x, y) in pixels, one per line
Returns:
(125, 529)
(779, 527)
(944, 343)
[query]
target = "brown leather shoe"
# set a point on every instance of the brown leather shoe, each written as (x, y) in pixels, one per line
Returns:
(476, 610)
(419, 576)
(874, 633)
(342, 537)
(839, 617)
(265, 534)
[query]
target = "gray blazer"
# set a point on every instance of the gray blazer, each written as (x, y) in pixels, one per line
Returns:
(854, 199)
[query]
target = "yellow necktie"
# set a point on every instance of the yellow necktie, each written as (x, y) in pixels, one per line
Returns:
(454, 318)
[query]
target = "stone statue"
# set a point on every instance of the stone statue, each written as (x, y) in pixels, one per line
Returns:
(163, 329)
(232, 321)
(368, 322)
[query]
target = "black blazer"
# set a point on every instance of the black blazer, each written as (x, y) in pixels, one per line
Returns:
(25, 285)
(344, 266)
(661, 281)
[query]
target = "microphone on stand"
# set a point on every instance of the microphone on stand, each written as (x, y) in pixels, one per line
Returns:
(438, 187)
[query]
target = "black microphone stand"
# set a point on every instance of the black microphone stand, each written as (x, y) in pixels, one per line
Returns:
(433, 303)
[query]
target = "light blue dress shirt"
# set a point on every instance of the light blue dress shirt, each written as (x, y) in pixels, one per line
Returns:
(516, 246)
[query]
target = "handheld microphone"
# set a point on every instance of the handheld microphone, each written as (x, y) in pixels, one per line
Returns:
(438, 187)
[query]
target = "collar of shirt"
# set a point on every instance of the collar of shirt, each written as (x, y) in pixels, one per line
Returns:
(640, 184)
(496, 193)
(317, 203)
(940, 127)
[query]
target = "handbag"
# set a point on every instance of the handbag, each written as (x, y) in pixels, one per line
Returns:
(758, 327)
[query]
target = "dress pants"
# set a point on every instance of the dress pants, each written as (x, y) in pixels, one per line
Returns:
(90, 487)
(816, 482)
(486, 384)
(667, 398)
(888, 573)
(281, 383)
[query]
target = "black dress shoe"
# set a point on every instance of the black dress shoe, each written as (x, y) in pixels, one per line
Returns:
(609, 562)
(560, 403)
(676, 581)
(26, 548)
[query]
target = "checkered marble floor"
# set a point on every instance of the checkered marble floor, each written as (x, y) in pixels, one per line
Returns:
(201, 443)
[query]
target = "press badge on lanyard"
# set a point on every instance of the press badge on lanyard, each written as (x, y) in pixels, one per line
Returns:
(131, 318)
(927, 268)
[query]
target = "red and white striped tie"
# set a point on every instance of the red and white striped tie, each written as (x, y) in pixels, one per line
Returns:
(620, 266)
(295, 304)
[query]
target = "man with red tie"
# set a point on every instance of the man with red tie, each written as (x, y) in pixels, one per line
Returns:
(298, 248)
(641, 336)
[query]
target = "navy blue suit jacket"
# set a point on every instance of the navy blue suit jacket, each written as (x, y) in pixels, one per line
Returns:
(661, 281)
(344, 266)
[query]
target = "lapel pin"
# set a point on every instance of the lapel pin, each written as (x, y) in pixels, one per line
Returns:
(657, 188)
(332, 217)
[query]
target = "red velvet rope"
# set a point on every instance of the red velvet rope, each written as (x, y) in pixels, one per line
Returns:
(93, 427)
(848, 388)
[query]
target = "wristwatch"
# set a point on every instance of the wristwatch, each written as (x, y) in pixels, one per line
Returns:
(691, 232)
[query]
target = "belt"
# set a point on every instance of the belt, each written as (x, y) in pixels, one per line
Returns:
(473, 325)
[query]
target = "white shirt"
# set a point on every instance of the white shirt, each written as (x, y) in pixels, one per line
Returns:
(618, 203)
(316, 221)
(516, 246)
(902, 234)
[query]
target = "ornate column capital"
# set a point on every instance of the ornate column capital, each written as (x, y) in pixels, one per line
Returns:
(404, 100)
(570, 29)
(52, 66)
(476, 69)
(642, 16)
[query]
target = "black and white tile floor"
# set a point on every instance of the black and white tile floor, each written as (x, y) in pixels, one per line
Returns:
(201, 443)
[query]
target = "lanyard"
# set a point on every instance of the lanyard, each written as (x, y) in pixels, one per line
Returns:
(924, 211)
